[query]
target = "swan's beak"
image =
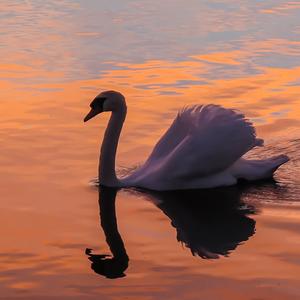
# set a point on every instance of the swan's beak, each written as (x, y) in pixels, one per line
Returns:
(91, 114)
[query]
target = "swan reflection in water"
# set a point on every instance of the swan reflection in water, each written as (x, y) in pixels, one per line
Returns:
(103, 264)
(211, 223)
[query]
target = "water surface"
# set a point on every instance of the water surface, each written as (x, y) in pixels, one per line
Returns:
(241, 243)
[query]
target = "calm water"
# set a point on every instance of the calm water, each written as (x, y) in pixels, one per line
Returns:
(238, 243)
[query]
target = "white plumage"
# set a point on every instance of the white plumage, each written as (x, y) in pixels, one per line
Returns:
(203, 148)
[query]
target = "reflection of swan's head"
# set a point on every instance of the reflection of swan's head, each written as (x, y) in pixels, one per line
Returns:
(110, 267)
(103, 264)
(106, 101)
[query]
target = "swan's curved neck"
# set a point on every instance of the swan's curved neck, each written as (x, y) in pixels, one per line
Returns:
(107, 173)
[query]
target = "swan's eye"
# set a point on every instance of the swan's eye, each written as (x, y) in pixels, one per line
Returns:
(97, 103)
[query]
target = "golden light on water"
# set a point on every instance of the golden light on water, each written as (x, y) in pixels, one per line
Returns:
(56, 57)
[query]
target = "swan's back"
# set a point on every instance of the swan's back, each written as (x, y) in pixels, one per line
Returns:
(195, 152)
(222, 135)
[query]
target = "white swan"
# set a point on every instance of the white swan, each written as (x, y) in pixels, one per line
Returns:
(203, 148)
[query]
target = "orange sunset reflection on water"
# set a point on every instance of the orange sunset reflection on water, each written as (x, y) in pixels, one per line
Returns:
(56, 58)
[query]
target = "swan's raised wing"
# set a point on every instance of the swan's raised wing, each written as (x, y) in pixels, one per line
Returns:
(172, 137)
(203, 140)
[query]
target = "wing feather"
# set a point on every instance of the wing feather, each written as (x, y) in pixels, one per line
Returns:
(203, 140)
(173, 136)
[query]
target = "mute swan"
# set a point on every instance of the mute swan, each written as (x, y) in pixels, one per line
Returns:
(203, 148)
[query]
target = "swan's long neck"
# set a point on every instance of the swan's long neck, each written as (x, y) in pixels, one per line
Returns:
(107, 172)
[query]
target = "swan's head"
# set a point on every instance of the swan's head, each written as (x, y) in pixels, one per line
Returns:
(106, 101)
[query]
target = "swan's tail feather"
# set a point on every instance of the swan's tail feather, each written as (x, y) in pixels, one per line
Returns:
(259, 169)
(277, 161)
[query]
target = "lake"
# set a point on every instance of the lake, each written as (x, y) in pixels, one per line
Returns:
(241, 242)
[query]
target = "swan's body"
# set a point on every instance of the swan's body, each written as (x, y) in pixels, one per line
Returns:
(203, 148)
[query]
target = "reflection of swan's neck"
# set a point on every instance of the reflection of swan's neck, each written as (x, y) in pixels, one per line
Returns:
(107, 173)
(109, 224)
